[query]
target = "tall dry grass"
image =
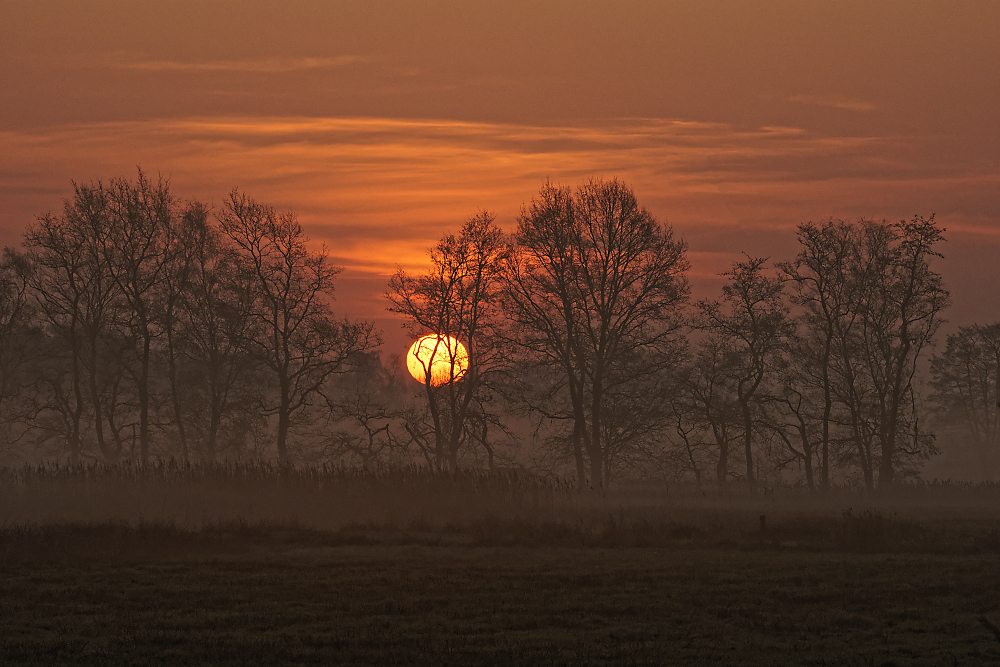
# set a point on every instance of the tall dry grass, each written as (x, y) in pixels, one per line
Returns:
(319, 497)
(486, 508)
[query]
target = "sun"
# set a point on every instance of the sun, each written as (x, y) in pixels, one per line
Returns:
(443, 357)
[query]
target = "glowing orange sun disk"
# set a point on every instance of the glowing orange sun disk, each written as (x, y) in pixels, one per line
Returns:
(443, 357)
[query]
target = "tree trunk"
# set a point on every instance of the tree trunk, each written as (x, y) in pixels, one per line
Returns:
(887, 468)
(486, 446)
(284, 417)
(827, 412)
(214, 419)
(579, 429)
(887, 462)
(748, 443)
(175, 390)
(722, 465)
(95, 397)
(581, 471)
(74, 438)
(77, 413)
(810, 477)
(143, 389)
(213, 435)
(866, 466)
(594, 449)
(454, 442)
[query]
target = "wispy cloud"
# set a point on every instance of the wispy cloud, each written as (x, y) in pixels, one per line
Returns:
(262, 65)
(380, 191)
(833, 102)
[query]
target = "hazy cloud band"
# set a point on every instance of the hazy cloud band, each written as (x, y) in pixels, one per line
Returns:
(259, 65)
(380, 191)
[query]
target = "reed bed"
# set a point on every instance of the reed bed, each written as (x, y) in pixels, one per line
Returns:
(259, 502)
(318, 497)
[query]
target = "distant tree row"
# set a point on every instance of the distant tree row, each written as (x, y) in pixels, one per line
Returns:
(134, 327)
(812, 365)
(137, 326)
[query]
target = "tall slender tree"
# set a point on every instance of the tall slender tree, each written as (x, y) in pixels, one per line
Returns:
(966, 382)
(753, 318)
(213, 322)
(901, 314)
(459, 297)
(139, 248)
(296, 335)
(20, 351)
(76, 297)
(828, 299)
(707, 391)
(541, 299)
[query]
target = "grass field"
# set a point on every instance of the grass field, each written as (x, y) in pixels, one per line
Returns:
(414, 605)
(517, 572)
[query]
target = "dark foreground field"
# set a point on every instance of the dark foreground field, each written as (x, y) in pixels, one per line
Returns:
(465, 605)
(108, 568)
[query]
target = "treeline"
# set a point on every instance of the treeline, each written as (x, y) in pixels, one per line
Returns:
(137, 326)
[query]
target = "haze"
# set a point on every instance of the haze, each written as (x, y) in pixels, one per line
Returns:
(384, 124)
(204, 461)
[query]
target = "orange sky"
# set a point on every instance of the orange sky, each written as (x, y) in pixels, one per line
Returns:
(385, 124)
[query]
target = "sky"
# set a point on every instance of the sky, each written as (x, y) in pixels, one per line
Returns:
(387, 124)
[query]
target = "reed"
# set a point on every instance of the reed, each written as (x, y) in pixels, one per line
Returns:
(254, 503)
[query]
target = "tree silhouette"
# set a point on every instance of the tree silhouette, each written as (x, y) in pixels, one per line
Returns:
(901, 315)
(828, 299)
(752, 319)
(137, 241)
(597, 280)
(459, 297)
(75, 296)
(294, 333)
(966, 382)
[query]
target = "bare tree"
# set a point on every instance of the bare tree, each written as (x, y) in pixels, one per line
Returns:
(794, 408)
(213, 320)
(541, 299)
(828, 298)
(364, 414)
(753, 319)
(709, 393)
(870, 304)
(966, 382)
(691, 438)
(137, 240)
(175, 286)
(204, 312)
(638, 417)
(295, 334)
(57, 259)
(459, 297)
(630, 287)
(76, 296)
(596, 280)
(900, 315)
(20, 346)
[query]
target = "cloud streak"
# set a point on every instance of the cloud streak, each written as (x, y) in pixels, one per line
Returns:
(380, 191)
(275, 65)
(833, 102)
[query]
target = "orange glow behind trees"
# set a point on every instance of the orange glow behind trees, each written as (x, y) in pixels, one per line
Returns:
(442, 357)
